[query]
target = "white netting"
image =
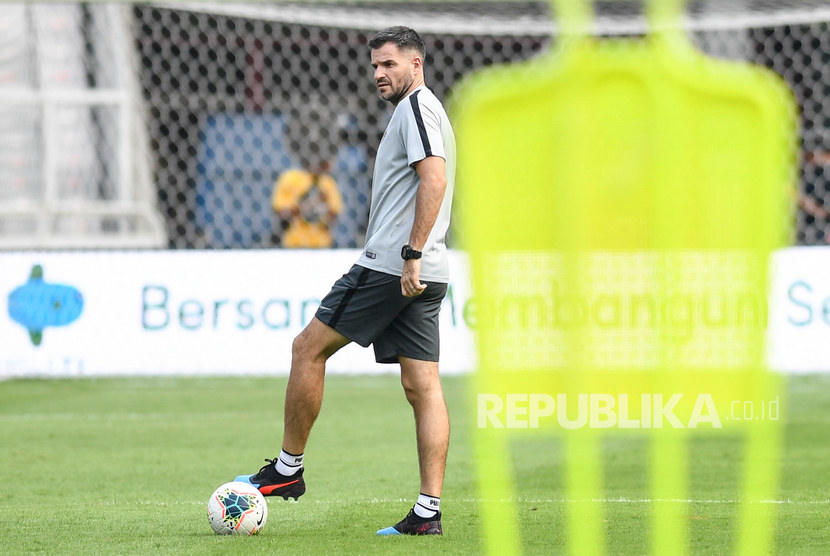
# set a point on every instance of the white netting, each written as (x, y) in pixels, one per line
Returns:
(71, 168)
(235, 95)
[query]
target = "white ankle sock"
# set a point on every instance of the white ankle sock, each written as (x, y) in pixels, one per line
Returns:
(288, 464)
(427, 506)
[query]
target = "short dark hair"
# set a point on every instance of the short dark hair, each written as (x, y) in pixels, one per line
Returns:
(402, 37)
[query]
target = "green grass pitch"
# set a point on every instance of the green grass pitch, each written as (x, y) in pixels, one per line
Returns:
(125, 466)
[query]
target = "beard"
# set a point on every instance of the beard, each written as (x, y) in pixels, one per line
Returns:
(396, 94)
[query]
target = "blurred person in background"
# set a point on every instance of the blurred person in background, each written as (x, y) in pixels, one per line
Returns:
(307, 197)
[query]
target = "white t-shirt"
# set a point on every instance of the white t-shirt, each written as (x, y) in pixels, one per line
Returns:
(419, 128)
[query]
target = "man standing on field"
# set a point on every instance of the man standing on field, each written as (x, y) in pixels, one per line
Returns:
(392, 296)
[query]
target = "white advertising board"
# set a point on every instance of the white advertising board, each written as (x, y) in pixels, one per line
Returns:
(799, 330)
(183, 312)
(237, 312)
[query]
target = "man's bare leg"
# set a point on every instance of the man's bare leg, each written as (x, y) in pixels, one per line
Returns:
(304, 394)
(432, 423)
(303, 398)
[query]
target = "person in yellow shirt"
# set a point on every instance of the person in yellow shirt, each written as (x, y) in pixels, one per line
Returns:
(309, 202)
(308, 198)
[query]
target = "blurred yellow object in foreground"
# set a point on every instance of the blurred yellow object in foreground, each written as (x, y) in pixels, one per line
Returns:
(621, 199)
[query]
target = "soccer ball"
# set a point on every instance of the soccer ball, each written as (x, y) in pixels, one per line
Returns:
(237, 509)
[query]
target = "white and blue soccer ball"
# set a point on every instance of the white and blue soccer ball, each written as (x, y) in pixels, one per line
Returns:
(237, 509)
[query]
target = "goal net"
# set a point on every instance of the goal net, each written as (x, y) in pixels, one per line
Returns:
(73, 157)
(169, 124)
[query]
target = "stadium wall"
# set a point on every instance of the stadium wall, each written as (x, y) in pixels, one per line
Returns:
(66, 314)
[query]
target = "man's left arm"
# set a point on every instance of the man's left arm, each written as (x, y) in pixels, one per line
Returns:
(432, 172)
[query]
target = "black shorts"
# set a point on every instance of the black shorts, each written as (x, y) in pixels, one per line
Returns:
(367, 307)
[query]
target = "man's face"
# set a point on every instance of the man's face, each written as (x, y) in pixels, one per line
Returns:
(395, 71)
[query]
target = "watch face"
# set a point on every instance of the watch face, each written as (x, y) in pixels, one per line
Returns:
(407, 253)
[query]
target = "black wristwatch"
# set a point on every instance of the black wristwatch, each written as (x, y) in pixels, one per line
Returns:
(409, 253)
